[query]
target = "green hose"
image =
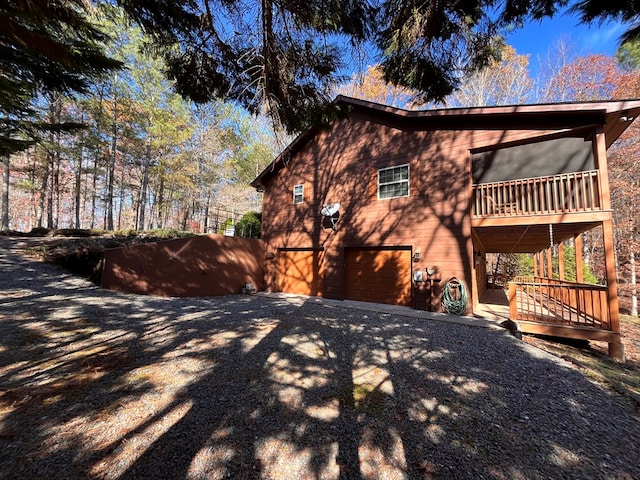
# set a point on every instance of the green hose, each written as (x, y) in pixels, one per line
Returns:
(454, 297)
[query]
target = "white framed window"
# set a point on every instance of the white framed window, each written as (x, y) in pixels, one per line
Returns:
(298, 194)
(393, 182)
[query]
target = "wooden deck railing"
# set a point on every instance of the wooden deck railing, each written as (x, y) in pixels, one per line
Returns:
(551, 301)
(564, 193)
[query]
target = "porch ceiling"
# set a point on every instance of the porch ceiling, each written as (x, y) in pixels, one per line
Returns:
(526, 238)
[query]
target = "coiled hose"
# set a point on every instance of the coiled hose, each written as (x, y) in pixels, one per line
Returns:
(454, 297)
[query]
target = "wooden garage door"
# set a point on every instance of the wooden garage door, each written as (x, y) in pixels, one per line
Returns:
(378, 275)
(299, 271)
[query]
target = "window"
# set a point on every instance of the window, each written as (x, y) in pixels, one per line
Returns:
(298, 193)
(393, 182)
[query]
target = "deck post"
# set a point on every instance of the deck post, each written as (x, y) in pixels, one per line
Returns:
(535, 264)
(513, 306)
(616, 350)
(577, 241)
(550, 262)
(561, 261)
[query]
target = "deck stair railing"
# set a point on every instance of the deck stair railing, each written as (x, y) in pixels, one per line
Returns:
(551, 301)
(564, 193)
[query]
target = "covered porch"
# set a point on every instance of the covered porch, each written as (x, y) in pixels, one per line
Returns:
(538, 216)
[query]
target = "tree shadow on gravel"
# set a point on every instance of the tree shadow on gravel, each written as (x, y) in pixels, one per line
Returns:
(101, 385)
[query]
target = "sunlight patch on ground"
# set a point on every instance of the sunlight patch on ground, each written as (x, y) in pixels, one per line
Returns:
(328, 412)
(280, 459)
(382, 461)
(210, 463)
(563, 457)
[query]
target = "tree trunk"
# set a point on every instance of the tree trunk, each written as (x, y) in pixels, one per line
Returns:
(76, 192)
(207, 206)
(112, 158)
(160, 202)
(44, 181)
(185, 217)
(144, 187)
(94, 191)
(121, 197)
(56, 187)
(111, 178)
(5, 193)
(78, 183)
(634, 288)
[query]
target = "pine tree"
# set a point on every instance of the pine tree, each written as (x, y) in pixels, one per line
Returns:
(283, 57)
(45, 46)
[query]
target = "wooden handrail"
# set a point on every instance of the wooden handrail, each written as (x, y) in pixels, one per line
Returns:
(557, 302)
(563, 193)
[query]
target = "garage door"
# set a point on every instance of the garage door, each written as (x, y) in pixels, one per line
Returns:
(299, 271)
(378, 275)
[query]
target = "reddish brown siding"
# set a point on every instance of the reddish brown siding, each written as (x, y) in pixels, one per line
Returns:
(210, 265)
(341, 165)
(299, 271)
(381, 276)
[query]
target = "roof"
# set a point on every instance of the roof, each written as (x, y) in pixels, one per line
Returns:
(615, 116)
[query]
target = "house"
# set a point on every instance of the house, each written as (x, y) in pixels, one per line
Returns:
(388, 206)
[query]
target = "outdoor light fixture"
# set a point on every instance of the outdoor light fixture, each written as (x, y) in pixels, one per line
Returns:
(416, 255)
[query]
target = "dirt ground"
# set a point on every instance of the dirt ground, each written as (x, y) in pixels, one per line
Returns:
(592, 358)
(83, 256)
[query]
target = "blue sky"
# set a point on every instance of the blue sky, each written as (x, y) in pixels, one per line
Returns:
(538, 38)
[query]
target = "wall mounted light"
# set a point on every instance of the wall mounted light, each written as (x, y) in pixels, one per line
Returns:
(416, 255)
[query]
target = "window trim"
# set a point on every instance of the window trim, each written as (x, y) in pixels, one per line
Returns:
(299, 194)
(394, 182)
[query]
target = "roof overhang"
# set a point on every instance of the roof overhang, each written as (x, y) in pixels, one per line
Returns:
(613, 116)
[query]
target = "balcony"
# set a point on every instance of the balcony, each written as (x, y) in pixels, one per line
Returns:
(575, 192)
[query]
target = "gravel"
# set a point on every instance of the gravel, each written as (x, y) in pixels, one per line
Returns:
(99, 384)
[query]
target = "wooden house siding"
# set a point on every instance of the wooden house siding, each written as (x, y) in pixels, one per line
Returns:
(340, 165)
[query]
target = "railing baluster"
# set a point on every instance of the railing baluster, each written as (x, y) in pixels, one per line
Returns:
(563, 193)
(553, 301)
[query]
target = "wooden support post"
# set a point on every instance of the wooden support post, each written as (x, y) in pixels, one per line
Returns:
(561, 261)
(600, 157)
(536, 263)
(616, 350)
(577, 240)
(550, 262)
(513, 306)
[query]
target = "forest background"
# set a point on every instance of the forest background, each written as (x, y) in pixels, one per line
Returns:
(137, 156)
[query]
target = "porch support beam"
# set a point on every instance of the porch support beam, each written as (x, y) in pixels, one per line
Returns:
(616, 350)
(561, 261)
(579, 246)
(550, 262)
(600, 156)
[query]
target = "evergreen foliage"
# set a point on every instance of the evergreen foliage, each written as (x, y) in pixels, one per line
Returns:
(249, 225)
(283, 57)
(45, 46)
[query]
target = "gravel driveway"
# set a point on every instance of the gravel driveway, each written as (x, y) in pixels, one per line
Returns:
(96, 384)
